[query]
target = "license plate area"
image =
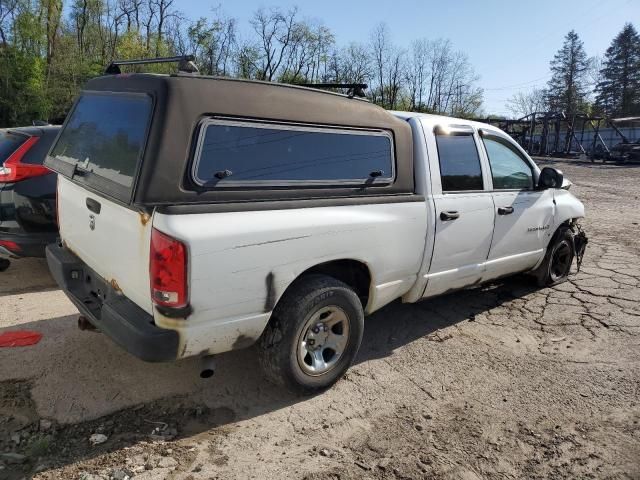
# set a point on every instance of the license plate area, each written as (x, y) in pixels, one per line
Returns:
(91, 289)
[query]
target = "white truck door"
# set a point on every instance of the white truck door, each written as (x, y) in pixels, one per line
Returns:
(524, 215)
(463, 206)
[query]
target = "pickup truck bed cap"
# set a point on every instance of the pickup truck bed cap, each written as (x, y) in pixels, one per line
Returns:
(183, 101)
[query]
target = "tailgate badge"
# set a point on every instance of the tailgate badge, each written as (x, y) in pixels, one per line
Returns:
(92, 222)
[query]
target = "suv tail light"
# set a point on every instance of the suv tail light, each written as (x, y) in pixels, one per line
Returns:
(168, 271)
(13, 170)
(11, 246)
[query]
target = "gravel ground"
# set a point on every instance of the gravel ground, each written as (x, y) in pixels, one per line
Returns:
(500, 381)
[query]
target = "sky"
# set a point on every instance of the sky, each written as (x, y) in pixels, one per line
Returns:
(509, 43)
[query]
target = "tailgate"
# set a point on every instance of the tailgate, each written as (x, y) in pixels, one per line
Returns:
(100, 149)
(111, 239)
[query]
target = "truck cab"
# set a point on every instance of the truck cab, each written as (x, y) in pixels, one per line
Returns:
(199, 215)
(490, 214)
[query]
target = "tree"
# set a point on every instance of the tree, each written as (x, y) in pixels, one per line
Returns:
(307, 53)
(355, 64)
(567, 89)
(350, 64)
(389, 62)
(441, 80)
(50, 48)
(246, 59)
(164, 13)
(23, 63)
(275, 30)
(212, 43)
(463, 98)
(380, 54)
(417, 72)
(618, 91)
(8, 10)
(522, 104)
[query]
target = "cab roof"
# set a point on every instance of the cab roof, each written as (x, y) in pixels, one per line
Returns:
(433, 120)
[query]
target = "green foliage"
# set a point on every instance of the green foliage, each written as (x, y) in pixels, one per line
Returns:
(22, 87)
(29, 32)
(293, 77)
(618, 93)
(47, 59)
(46, 56)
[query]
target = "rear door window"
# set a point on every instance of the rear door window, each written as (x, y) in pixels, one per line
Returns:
(9, 143)
(104, 138)
(232, 153)
(460, 168)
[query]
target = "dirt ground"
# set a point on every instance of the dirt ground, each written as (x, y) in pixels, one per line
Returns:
(500, 381)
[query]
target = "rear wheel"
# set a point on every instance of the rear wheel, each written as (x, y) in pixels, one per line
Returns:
(313, 335)
(4, 264)
(557, 262)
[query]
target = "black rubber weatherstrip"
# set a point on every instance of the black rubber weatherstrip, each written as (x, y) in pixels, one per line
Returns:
(285, 204)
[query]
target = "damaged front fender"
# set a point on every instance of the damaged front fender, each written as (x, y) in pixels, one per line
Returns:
(580, 241)
(567, 207)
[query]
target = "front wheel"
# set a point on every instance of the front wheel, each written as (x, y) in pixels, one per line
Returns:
(556, 266)
(4, 264)
(313, 335)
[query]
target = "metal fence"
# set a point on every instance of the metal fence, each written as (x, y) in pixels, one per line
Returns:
(608, 135)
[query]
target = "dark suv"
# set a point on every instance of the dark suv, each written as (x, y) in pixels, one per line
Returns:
(27, 193)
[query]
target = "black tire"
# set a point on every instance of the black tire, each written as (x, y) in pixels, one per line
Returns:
(280, 343)
(556, 266)
(4, 264)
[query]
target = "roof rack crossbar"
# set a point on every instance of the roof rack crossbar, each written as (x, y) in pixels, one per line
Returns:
(185, 63)
(354, 89)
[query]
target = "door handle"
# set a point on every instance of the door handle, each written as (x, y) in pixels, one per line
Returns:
(450, 215)
(505, 210)
(94, 205)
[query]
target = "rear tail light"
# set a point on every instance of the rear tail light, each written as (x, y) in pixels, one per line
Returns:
(168, 271)
(11, 246)
(13, 170)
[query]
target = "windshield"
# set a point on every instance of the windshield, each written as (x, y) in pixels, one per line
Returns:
(105, 136)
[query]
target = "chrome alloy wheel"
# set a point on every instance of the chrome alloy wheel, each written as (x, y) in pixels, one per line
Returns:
(323, 340)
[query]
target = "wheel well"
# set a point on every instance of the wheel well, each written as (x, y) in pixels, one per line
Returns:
(353, 273)
(567, 224)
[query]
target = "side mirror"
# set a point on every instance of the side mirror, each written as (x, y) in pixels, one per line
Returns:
(550, 178)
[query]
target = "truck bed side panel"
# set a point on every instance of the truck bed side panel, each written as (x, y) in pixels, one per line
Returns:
(242, 262)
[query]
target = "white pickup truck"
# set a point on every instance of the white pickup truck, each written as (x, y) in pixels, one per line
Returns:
(199, 215)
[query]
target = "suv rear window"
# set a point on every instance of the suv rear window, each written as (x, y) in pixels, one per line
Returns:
(235, 153)
(9, 142)
(104, 137)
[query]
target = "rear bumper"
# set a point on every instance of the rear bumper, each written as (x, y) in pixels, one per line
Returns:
(28, 245)
(28, 216)
(115, 315)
